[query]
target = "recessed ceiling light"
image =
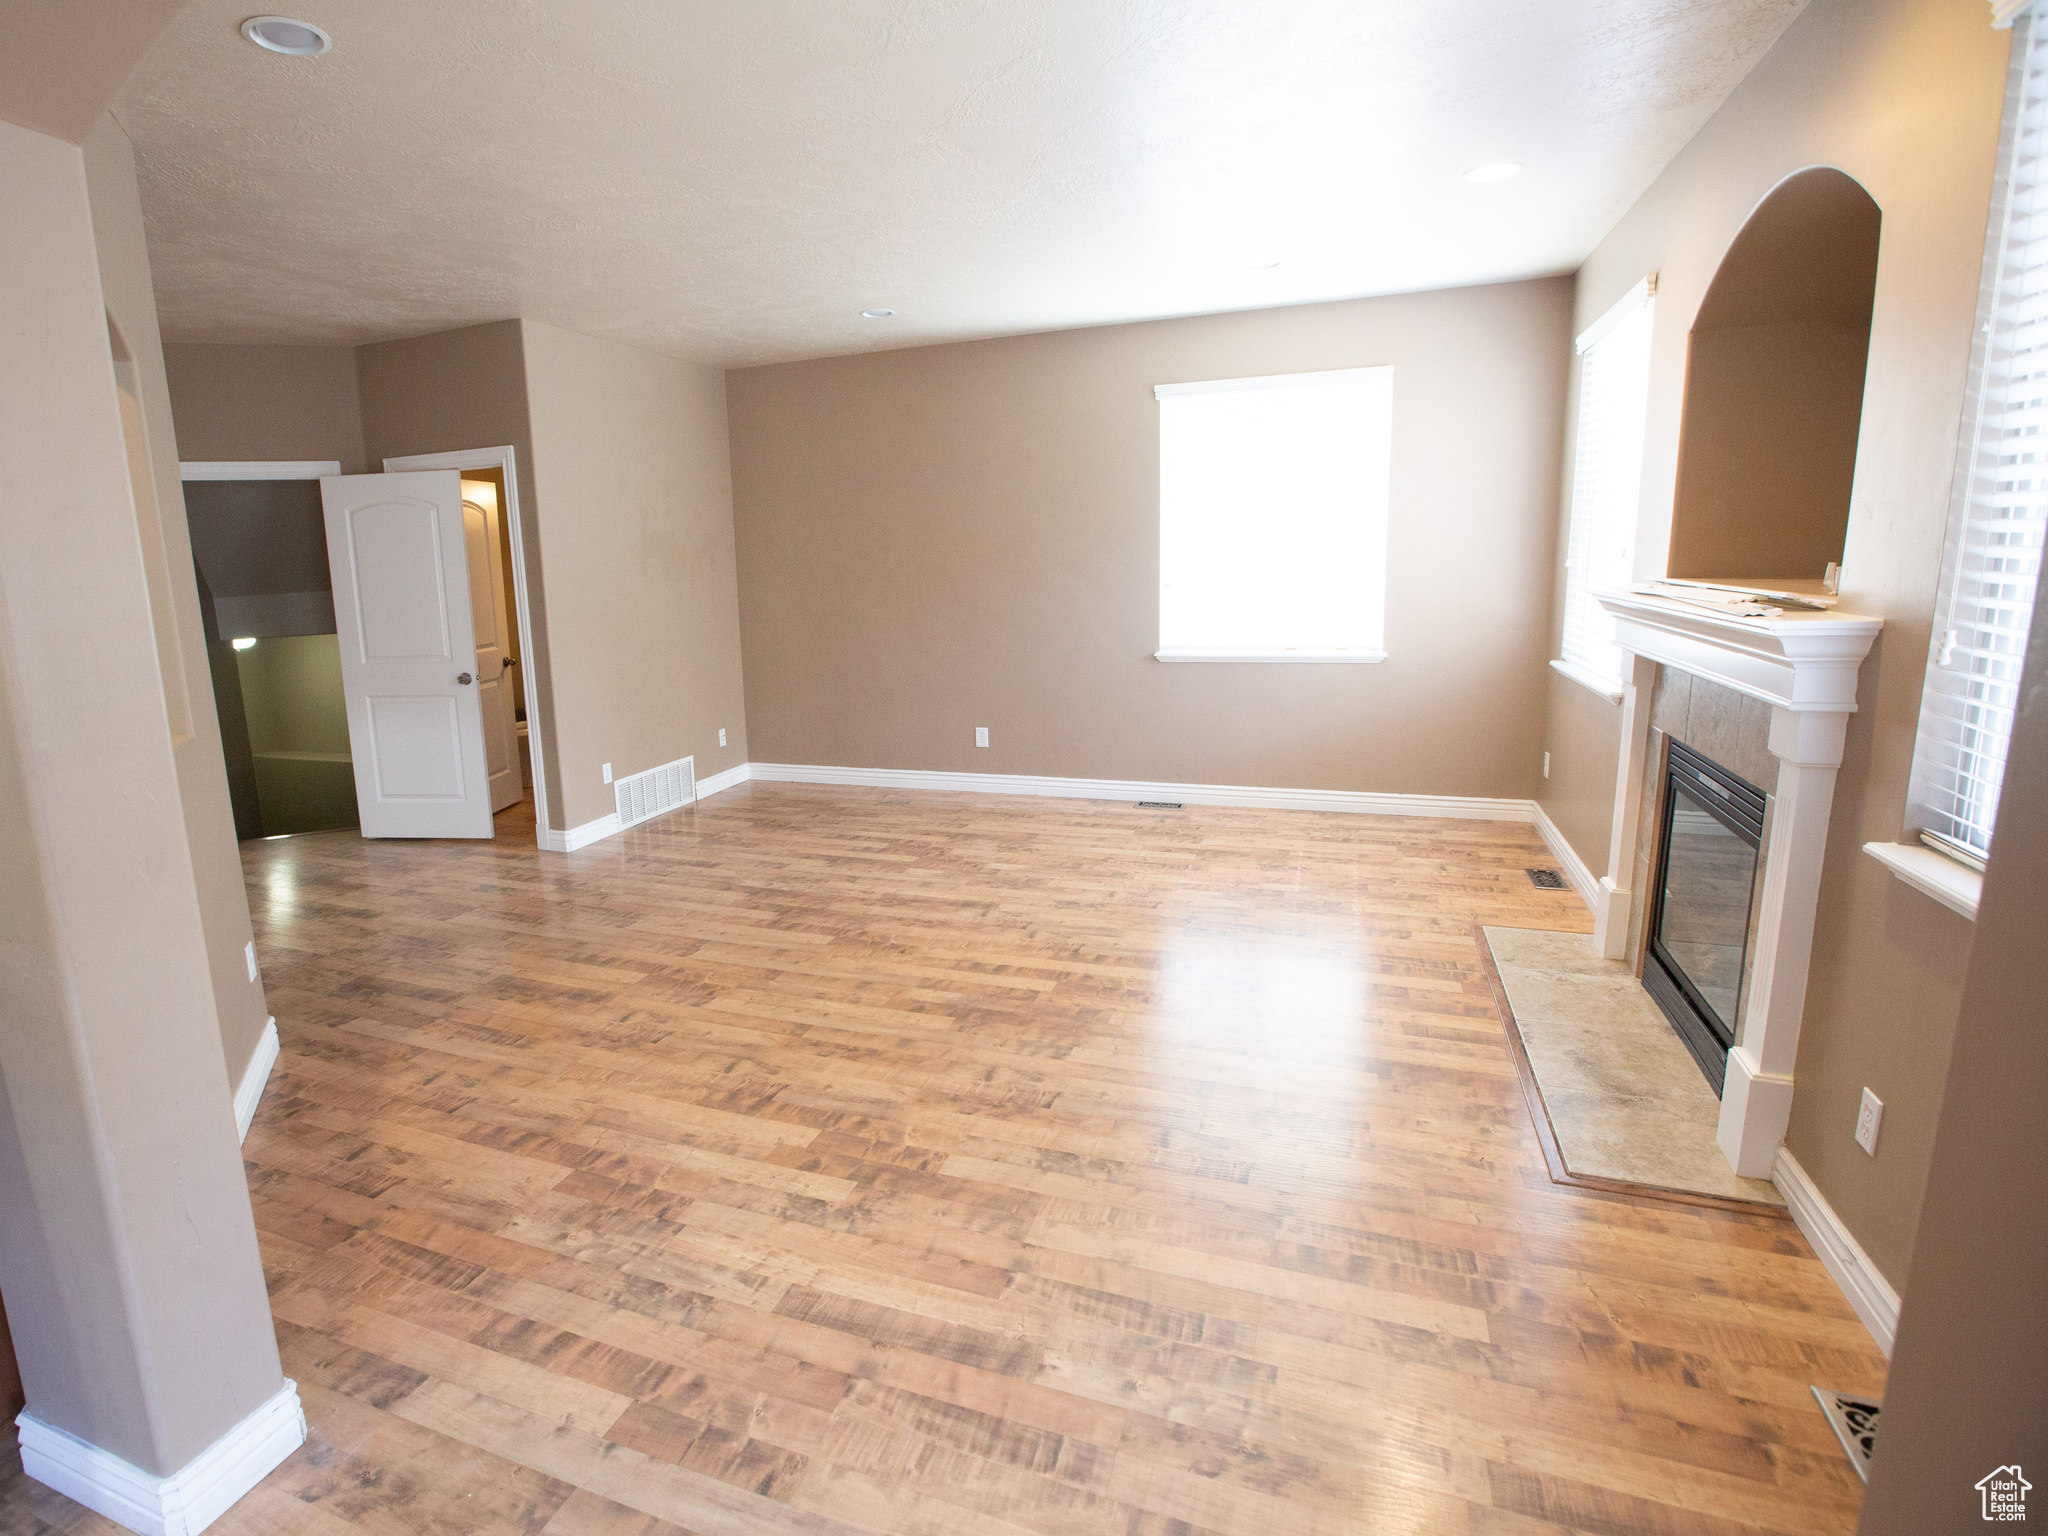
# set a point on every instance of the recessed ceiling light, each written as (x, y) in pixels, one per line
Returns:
(280, 34)
(1497, 170)
(876, 314)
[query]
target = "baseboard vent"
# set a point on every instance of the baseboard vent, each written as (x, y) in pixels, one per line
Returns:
(642, 795)
(1159, 805)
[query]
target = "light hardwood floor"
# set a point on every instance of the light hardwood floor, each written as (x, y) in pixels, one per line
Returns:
(835, 1161)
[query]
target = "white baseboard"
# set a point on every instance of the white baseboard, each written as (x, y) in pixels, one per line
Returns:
(1868, 1291)
(1456, 807)
(249, 1092)
(723, 781)
(1568, 861)
(583, 836)
(190, 1499)
(595, 831)
(1460, 807)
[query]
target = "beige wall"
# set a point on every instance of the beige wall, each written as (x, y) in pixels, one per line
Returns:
(1582, 734)
(945, 537)
(1768, 450)
(1903, 95)
(1969, 1383)
(464, 389)
(239, 402)
(633, 483)
(291, 690)
(127, 1251)
(130, 299)
(64, 63)
(625, 503)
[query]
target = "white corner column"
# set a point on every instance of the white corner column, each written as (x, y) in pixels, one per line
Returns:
(1611, 902)
(1756, 1098)
(128, 1249)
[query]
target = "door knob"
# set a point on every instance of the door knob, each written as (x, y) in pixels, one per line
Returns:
(462, 677)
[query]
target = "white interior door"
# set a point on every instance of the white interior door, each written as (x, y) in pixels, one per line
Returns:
(399, 558)
(497, 688)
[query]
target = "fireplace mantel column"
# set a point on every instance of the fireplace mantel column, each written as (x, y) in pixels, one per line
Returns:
(1756, 1098)
(1612, 901)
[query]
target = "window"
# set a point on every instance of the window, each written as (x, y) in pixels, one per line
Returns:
(1607, 475)
(1273, 517)
(1991, 561)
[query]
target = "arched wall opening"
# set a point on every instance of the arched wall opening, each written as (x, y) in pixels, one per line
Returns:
(1774, 388)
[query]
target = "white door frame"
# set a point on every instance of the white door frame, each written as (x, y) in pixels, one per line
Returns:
(529, 678)
(258, 469)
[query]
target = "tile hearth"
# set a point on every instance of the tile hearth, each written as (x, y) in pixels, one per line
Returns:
(1625, 1099)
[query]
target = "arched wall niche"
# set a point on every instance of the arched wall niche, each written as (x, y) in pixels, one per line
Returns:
(1774, 387)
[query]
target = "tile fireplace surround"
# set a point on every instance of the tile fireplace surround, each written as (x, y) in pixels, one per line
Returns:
(1802, 666)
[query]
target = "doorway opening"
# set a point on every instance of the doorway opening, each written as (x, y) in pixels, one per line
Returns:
(497, 646)
(520, 697)
(1774, 389)
(261, 555)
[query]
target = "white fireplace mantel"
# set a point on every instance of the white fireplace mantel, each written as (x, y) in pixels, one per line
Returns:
(1804, 665)
(1798, 661)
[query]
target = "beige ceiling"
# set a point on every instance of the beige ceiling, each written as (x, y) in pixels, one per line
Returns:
(735, 180)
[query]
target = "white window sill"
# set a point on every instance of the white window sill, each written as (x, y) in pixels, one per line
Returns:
(1952, 884)
(1275, 655)
(1607, 687)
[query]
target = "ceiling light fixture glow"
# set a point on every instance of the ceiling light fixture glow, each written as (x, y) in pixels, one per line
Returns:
(1497, 170)
(876, 314)
(245, 642)
(281, 34)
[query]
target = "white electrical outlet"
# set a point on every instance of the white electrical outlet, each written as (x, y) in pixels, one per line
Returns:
(1868, 1118)
(249, 954)
(721, 738)
(981, 735)
(607, 773)
(1546, 765)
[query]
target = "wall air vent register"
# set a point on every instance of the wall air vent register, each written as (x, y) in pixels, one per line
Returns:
(642, 795)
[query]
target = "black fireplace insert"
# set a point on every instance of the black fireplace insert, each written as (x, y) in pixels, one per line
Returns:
(1712, 826)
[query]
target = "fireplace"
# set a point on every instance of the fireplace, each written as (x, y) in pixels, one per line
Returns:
(1801, 667)
(1709, 846)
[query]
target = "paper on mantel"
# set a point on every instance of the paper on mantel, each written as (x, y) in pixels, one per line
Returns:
(1735, 605)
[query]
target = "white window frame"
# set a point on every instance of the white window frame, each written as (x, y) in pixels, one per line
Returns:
(1378, 393)
(1998, 509)
(1607, 475)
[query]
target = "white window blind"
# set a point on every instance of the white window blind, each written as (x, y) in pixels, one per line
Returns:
(1607, 474)
(1991, 562)
(1273, 517)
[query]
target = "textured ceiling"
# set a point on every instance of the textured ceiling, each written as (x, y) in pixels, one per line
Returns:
(734, 180)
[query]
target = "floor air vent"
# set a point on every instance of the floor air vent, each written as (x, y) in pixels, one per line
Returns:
(1158, 805)
(1546, 880)
(658, 789)
(1853, 1417)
